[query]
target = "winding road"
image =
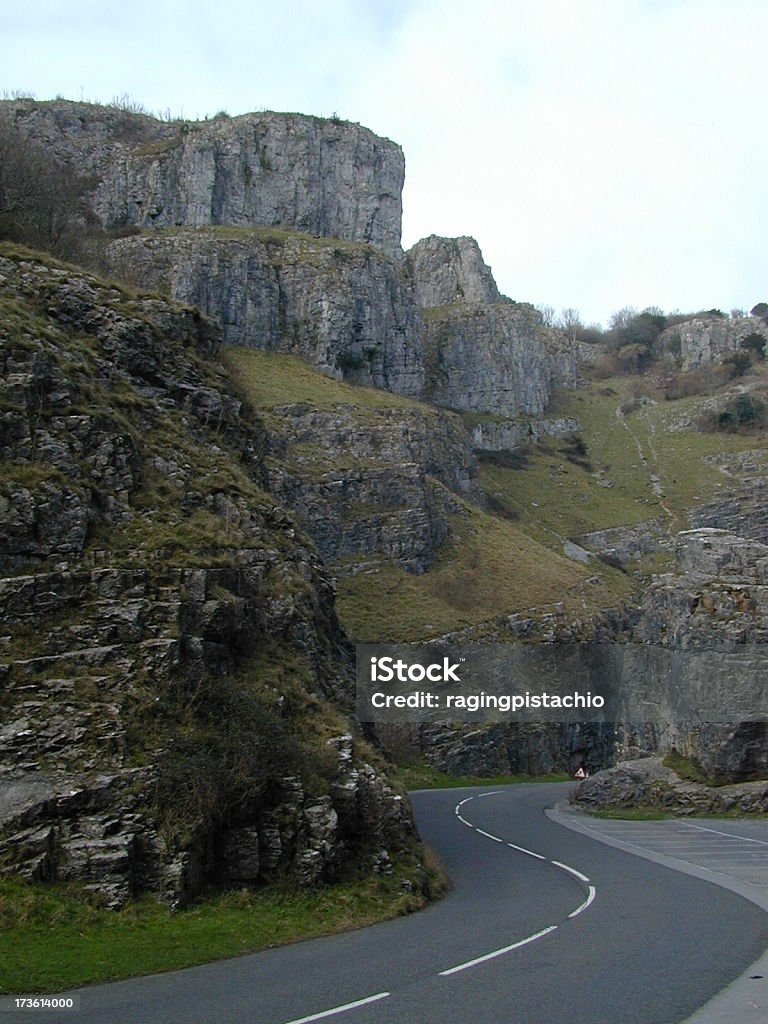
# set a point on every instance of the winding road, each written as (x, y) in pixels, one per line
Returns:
(544, 925)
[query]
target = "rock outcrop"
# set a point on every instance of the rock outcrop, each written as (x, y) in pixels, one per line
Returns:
(344, 307)
(320, 176)
(707, 339)
(450, 270)
(497, 359)
(380, 484)
(647, 783)
(167, 627)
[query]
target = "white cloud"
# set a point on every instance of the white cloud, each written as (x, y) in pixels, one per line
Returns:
(603, 152)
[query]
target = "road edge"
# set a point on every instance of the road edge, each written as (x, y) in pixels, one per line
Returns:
(736, 1002)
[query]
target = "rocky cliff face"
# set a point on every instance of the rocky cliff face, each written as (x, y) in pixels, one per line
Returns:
(450, 270)
(496, 359)
(307, 174)
(342, 306)
(707, 339)
(382, 485)
(484, 353)
(168, 628)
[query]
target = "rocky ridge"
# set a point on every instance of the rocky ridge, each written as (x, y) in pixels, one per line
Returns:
(322, 177)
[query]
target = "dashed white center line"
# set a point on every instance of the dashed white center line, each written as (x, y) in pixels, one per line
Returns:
(339, 1009)
(573, 871)
(488, 835)
(585, 904)
(498, 952)
(530, 853)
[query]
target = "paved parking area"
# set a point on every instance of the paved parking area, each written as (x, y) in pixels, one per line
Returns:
(735, 848)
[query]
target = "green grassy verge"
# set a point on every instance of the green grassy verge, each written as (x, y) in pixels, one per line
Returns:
(418, 775)
(632, 814)
(53, 938)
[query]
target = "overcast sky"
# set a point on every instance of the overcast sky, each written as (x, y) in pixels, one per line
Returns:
(603, 152)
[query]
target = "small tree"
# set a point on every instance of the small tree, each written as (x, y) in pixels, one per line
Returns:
(754, 344)
(570, 321)
(41, 201)
(738, 363)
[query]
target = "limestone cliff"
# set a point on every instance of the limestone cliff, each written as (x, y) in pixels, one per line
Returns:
(168, 630)
(450, 270)
(497, 359)
(384, 484)
(484, 353)
(342, 306)
(323, 177)
(707, 339)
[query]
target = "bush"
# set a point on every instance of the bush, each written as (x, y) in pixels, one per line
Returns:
(634, 357)
(605, 367)
(696, 382)
(754, 344)
(226, 749)
(741, 414)
(737, 363)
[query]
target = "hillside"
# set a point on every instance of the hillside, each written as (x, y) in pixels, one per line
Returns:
(175, 683)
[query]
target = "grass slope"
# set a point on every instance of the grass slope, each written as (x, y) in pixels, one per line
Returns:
(648, 463)
(490, 567)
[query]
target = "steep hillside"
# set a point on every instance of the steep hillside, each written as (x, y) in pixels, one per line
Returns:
(388, 489)
(174, 678)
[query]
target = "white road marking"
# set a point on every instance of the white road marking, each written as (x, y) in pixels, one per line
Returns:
(557, 863)
(585, 904)
(498, 952)
(730, 835)
(488, 835)
(481, 795)
(573, 871)
(339, 1009)
(530, 853)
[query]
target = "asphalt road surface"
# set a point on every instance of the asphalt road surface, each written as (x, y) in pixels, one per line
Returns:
(543, 926)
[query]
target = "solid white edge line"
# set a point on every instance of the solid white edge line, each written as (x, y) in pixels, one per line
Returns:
(496, 952)
(573, 871)
(339, 1009)
(585, 904)
(530, 853)
(488, 835)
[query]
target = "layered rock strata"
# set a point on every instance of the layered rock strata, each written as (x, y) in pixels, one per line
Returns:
(320, 176)
(344, 307)
(167, 627)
